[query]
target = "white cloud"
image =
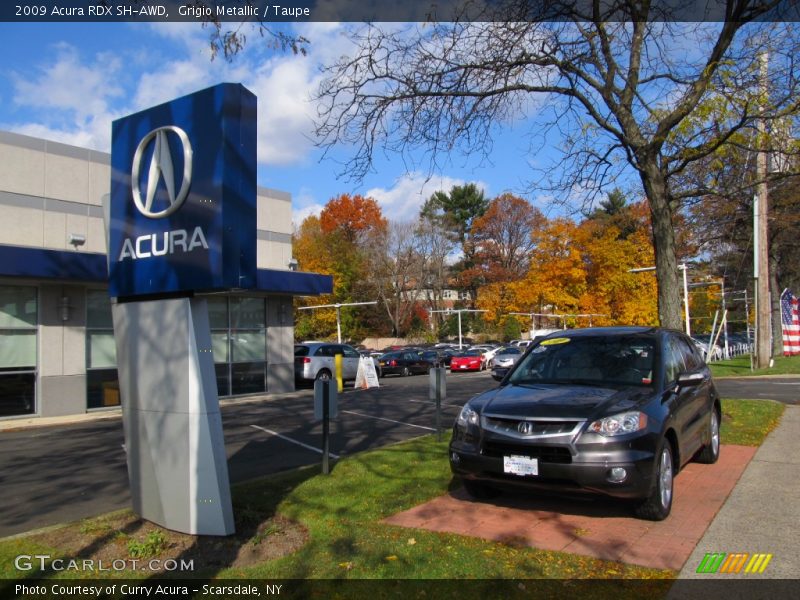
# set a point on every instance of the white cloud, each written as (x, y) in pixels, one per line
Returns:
(284, 85)
(299, 215)
(285, 114)
(67, 84)
(74, 98)
(174, 79)
(305, 204)
(403, 201)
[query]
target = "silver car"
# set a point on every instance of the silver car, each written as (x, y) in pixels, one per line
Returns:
(315, 360)
(504, 360)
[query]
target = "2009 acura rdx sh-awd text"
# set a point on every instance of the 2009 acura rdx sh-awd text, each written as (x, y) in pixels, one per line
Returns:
(615, 410)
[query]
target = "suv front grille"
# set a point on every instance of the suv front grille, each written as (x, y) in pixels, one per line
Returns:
(548, 454)
(509, 426)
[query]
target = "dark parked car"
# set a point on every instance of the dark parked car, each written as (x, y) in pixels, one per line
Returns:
(403, 362)
(433, 357)
(616, 411)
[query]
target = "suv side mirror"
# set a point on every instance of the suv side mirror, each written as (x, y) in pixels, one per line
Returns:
(690, 379)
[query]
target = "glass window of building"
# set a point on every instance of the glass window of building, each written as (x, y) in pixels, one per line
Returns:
(102, 382)
(18, 350)
(239, 342)
(218, 319)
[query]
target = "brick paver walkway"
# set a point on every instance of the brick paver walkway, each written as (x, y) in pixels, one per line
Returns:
(597, 527)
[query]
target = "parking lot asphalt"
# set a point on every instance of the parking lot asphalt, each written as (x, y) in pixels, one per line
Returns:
(63, 469)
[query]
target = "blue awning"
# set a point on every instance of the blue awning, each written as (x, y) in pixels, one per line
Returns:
(62, 265)
(88, 267)
(296, 283)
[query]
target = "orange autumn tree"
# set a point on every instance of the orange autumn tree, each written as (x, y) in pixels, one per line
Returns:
(312, 252)
(504, 237)
(354, 218)
(336, 243)
(610, 253)
(556, 279)
(584, 268)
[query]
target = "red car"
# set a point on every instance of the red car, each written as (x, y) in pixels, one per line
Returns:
(470, 360)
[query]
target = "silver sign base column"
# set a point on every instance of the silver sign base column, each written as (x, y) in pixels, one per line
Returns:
(173, 428)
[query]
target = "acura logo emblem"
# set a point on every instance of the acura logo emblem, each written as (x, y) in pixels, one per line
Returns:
(525, 427)
(161, 166)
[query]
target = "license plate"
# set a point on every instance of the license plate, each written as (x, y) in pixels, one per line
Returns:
(520, 465)
(462, 366)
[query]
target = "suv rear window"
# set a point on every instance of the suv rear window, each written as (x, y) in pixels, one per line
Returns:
(301, 350)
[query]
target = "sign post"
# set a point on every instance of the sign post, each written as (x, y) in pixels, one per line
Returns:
(437, 393)
(325, 408)
(181, 219)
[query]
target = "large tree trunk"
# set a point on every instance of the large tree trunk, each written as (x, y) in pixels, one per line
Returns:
(669, 289)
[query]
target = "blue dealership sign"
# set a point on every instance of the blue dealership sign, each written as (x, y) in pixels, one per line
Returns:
(183, 196)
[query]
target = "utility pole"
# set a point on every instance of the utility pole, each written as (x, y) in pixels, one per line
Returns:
(761, 245)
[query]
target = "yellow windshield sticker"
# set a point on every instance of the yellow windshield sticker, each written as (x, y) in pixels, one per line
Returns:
(554, 341)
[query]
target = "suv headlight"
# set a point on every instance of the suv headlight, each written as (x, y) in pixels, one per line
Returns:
(467, 416)
(620, 424)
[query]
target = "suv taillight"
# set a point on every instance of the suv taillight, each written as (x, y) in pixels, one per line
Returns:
(306, 360)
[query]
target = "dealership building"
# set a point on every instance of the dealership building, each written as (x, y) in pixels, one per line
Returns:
(57, 349)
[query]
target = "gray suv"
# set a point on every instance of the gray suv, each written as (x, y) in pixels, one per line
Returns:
(315, 360)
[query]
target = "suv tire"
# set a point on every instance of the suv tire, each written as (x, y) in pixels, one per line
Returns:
(657, 506)
(709, 454)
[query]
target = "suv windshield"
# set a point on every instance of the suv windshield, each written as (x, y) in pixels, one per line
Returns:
(600, 360)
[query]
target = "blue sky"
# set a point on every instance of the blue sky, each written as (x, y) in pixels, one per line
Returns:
(68, 82)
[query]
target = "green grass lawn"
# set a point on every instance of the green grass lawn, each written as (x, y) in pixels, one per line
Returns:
(344, 511)
(747, 422)
(740, 367)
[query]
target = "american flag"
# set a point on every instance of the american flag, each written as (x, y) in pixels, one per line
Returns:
(790, 324)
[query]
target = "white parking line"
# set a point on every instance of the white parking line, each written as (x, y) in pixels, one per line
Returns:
(444, 404)
(350, 412)
(288, 439)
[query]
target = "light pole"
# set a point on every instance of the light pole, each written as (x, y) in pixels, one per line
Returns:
(459, 311)
(338, 307)
(681, 267)
(721, 283)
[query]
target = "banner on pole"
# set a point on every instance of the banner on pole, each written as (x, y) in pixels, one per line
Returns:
(790, 323)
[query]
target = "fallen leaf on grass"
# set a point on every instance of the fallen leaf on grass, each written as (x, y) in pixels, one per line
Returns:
(411, 541)
(392, 557)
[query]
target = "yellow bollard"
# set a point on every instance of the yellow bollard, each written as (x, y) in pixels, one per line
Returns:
(337, 361)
